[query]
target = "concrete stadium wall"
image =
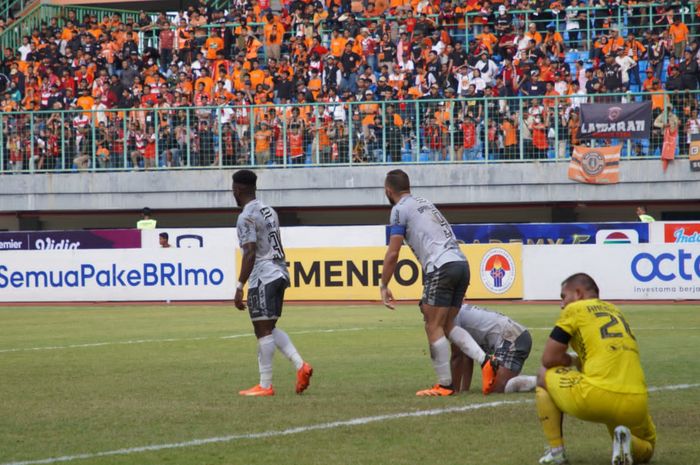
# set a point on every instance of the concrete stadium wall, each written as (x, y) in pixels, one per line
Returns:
(641, 180)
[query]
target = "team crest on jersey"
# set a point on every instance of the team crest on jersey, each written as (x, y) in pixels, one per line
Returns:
(497, 271)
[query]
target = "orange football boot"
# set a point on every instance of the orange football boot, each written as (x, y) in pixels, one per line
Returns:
(257, 391)
(436, 391)
(488, 374)
(304, 377)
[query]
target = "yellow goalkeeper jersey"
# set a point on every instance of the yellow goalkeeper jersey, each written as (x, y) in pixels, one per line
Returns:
(608, 350)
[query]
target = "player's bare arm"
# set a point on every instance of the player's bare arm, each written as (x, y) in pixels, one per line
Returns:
(555, 355)
(247, 264)
(390, 259)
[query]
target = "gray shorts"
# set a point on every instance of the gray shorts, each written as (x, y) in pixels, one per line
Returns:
(513, 355)
(265, 301)
(446, 286)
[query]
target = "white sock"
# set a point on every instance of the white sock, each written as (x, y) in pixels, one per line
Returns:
(266, 349)
(521, 383)
(284, 344)
(440, 355)
(467, 344)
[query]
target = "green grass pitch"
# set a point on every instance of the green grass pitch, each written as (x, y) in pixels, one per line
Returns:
(90, 380)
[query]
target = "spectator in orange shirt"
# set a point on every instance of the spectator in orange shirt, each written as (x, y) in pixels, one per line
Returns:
(679, 34)
(533, 34)
(274, 34)
(212, 45)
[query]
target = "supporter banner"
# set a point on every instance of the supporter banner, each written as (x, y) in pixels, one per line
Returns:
(636, 272)
(595, 165)
(354, 273)
(117, 275)
(552, 233)
(616, 120)
(71, 240)
(682, 233)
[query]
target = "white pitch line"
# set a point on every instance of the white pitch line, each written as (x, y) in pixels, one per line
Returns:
(200, 338)
(301, 429)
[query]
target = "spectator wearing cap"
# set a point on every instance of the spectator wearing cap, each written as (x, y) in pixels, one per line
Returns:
(613, 74)
(487, 68)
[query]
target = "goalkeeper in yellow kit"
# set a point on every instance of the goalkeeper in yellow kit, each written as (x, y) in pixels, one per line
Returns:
(608, 387)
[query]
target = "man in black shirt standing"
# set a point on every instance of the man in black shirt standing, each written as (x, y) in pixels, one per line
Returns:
(349, 62)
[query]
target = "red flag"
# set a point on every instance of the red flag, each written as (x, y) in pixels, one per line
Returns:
(595, 165)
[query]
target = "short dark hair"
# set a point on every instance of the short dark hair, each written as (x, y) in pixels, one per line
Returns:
(397, 181)
(164, 235)
(245, 178)
(146, 211)
(582, 280)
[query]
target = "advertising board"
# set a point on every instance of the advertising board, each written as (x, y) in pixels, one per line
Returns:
(117, 275)
(552, 233)
(634, 272)
(354, 273)
(71, 240)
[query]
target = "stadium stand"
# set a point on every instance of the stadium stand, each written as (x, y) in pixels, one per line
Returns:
(236, 83)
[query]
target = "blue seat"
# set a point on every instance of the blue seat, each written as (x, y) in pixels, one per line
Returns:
(643, 65)
(406, 156)
(572, 57)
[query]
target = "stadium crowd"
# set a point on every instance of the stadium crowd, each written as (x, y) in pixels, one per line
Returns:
(375, 80)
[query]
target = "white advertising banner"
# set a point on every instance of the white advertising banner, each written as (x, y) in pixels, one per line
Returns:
(194, 238)
(117, 275)
(634, 272)
(292, 237)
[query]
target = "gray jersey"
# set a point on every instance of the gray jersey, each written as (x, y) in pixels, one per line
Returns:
(259, 223)
(489, 329)
(426, 231)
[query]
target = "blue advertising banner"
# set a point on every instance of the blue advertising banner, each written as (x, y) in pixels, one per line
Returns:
(551, 233)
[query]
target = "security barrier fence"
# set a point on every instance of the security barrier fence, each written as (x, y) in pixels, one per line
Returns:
(469, 130)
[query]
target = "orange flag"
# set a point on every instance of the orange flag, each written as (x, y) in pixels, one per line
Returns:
(595, 165)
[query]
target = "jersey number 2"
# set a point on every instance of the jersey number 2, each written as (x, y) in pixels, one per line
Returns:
(613, 320)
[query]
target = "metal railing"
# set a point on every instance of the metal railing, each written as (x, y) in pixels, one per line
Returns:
(41, 14)
(10, 8)
(472, 130)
